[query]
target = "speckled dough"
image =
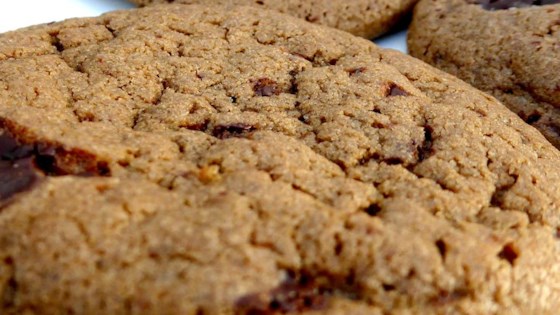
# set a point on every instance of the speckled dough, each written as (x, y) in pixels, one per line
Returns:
(196, 160)
(514, 54)
(366, 18)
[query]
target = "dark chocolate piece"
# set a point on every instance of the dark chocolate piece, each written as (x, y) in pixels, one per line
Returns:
(233, 130)
(17, 177)
(356, 71)
(507, 4)
(395, 90)
(266, 87)
(425, 150)
(23, 165)
(509, 253)
(295, 295)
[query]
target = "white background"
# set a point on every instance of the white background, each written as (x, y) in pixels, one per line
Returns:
(19, 13)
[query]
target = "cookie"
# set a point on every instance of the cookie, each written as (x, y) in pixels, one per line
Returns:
(201, 160)
(365, 18)
(510, 49)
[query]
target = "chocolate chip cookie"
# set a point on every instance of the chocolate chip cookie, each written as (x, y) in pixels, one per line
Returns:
(196, 160)
(365, 18)
(510, 49)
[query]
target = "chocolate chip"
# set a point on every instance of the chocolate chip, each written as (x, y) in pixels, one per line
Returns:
(22, 165)
(393, 89)
(11, 150)
(17, 176)
(393, 160)
(508, 253)
(442, 248)
(9, 261)
(373, 210)
(266, 87)
(311, 18)
(533, 118)
(295, 295)
(9, 295)
(507, 4)
(17, 168)
(356, 71)
(426, 148)
(233, 130)
(293, 82)
(310, 59)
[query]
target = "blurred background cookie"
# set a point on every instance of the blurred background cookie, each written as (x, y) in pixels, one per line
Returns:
(510, 49)
(366, 18)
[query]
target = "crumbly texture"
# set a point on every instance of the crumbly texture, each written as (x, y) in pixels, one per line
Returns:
(365, 18)
(194, 160)
(513, 54)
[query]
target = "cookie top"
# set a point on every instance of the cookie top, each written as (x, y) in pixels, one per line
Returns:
(365, 18)
(195, 160)
(508, 48)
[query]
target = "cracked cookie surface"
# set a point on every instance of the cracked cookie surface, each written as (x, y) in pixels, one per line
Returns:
(510, 49)
(183, 160)
(365, 18)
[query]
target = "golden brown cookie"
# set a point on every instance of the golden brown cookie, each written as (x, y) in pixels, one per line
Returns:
(365, 18)
(510, 49)
(196, 160)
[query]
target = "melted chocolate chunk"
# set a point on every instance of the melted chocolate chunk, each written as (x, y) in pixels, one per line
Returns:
(17, 177)
(233, 130)
(395, 90)
(393, 160)
(533, 118)
(266, 87)
(442, 248)
(300, 292)
(373, 210)
(356, 71)
(10, 149)
(22, 165)
(9, 295)
(297, 294)
(507, 4)
(17, 168)
(509, 254)
(425, 150)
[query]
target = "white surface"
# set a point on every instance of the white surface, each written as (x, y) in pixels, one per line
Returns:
(19, 13)
(395, 41)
